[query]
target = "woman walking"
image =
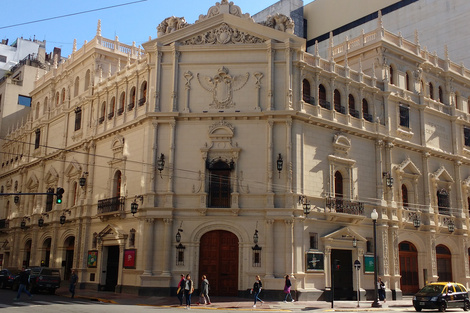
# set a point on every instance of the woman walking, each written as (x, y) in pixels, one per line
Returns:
(188, 290)
(257, 286)
(287, 287)
(180, 290)
(204, 296)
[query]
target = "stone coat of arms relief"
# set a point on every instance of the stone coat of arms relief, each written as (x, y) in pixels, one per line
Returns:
(221, 86)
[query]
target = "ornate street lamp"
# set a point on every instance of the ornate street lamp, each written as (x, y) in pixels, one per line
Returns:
(134, 205)
(374, 216)
(279, 164)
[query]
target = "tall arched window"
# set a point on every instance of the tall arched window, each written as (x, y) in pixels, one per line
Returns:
(352, 106)
(431, 91)
(392, 81)
(441, 95)
(37, 109)
(404, 196)
(57, 98)
(117, 184)
(87, 80)
(365, 110)
(306, 95)
(443, 202)
(322, 97)
(103, 112)
(76, 87)
(338, 185)
(46, 103)
(131, 105)
(444, 263)
(337, 100)
(62, 101)
(219, 184)
(122, 103)
(143, 93)
(112, 107)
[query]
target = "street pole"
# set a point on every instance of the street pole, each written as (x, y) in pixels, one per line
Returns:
(374, 217)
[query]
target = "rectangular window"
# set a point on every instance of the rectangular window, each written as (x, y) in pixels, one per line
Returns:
(369, 245)
(78, 118)
(3, 58)
(24, 100)
(38, 139)
(404, 116)
(313, 241)
(466, 135)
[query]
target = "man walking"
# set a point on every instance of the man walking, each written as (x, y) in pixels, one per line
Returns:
(24, 280)
(73, 283)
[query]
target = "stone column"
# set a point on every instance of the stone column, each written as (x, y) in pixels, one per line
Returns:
(168, 222)
(289, 241)
(269, 248)
(148, 238)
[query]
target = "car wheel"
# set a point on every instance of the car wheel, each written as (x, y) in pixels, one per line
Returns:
(466, 306)
(418, 308)
(2, 284)
(442, 307)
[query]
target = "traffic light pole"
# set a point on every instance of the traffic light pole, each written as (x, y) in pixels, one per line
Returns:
(28, 193)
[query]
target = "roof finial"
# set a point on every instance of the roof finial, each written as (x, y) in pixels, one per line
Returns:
(379, 21)
(98, 29)
(74, 49)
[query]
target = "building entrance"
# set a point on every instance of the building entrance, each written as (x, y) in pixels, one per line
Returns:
(343, 277)
(218, 260)
(408, 267)
(112, 266)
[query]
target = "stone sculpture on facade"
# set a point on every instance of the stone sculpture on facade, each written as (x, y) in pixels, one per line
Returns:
(280, 22)
(171, 24)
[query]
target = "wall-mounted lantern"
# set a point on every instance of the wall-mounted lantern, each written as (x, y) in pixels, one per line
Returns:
(256, 249)
(82, 180)
(279, 164)
(62, 218)
(388, 179)
(306, 206)
(16, 199)
(134, 205)
(179, 248)
(416, 221)
(451, 226)
(161, 163)
(41, 219)
(23, 222)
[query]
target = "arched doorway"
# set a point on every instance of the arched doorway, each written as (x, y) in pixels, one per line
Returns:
(444, 263)
(46, 257)
(27, 253)
(68, 262)
(218, 260)
(408, 267)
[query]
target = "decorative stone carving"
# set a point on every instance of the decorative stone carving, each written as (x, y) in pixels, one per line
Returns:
(280, 22)
(224, 7)
(171, 24)
(222, 86)
(224, 34)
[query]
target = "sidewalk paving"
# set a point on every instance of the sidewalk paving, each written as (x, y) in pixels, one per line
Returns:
(234, 302)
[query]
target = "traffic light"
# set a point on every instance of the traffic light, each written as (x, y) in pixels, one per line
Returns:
(59, 193)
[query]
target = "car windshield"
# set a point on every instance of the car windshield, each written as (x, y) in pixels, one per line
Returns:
(432, 289)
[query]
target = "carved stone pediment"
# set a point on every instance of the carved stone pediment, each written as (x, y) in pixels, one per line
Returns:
(224, 7)
(223, 34)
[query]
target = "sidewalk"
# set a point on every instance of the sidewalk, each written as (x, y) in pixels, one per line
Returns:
(234, 302)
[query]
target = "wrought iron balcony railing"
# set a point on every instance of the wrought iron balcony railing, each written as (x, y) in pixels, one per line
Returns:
(340, 205)
(109, 205)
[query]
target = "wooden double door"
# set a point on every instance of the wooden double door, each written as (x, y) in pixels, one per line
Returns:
(218, 260)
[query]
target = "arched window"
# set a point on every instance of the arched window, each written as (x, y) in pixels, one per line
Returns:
(87, 80)
(46, 103)
(322, 97)
(404, 196)
(143, 93)
(117, 184)
(219, 184)
(392, 81)
(63, 96)
(37, 110)
(338, 185)
(407, 81)
(132, 99)
(103, 112)
(122, 103)
(352, 106)
(306, 96)
(422, 87)
(444, 263)
(337, 100)
(112, 107)
(365, 110)
(443, 201)
(441, 96)
(431, 91)
(76, 87)
(57, 98)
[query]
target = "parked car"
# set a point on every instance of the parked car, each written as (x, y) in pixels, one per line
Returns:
(7, 276)
(442, 295)
(44, 278)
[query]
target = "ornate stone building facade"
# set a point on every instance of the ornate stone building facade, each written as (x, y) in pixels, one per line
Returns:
(199, 153)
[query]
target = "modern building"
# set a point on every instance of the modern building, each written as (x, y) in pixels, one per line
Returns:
(12, 54)
(224, 148)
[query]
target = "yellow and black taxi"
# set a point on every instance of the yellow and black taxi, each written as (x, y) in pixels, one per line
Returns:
(441, 295)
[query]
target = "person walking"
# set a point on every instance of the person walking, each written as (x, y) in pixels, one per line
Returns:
(73, 283)
(287, 286)
(381, 289)
(24, 280)
(180, 290)
(188, 290)
(257, 286)
(204, 296)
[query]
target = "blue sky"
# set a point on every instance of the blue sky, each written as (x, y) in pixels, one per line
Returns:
(133, 22)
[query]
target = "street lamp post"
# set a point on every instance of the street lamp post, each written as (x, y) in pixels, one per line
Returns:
(374, 216)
